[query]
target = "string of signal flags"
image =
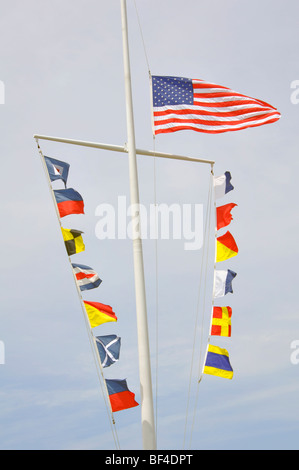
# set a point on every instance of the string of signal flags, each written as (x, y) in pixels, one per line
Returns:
(181, 103)
(178, 103)
(217, 361)
(69, 201)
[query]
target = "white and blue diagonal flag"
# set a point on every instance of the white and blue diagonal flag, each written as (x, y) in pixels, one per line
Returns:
(223, 282)
(109, 349)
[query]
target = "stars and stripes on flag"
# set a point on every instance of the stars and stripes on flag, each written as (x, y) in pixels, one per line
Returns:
(109, 349)
(221, 321)
(183, 103)
(86, 277)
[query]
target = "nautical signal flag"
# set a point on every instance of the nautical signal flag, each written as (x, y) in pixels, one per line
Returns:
(223, 215)
(221, 321)
(86, 277)
(222, 184)
(99, 313)
(217, 363)
(57, 169)
(109, 349)
(223, 282)
(69, 202)
(120, 396)
(226, 247)
(73, 241)
(183, 103)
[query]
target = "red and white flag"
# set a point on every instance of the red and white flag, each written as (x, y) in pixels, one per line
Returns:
(183, 103)
(86, 277)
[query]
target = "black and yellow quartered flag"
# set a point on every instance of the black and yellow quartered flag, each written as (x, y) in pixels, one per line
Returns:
(73, 241)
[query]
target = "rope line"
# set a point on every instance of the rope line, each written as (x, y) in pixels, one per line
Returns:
(91, 339)
(142, 37)
(200, 375)
(197, 310)
(157, 290)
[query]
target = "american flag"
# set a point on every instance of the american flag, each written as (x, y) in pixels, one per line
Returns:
(183, 103)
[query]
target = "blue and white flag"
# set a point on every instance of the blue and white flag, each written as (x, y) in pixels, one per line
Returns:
(109, 349)
(223, 282)
(222, 184)
(57, 169)
(86, 277)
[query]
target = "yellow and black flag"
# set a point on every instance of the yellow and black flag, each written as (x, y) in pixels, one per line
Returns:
(73, 241)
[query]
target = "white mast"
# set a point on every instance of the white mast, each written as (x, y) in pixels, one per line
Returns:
(147, 408)
(148, 428)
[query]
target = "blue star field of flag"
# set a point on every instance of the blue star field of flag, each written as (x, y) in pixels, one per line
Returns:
(171, 91)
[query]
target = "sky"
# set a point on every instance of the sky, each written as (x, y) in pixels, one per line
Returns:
(62, 69)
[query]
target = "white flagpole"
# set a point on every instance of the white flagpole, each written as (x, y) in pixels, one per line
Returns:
(147, 408)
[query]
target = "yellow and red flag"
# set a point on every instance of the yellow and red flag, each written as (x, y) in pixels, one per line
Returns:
(226, 247)
(99, 313)
(221, 321)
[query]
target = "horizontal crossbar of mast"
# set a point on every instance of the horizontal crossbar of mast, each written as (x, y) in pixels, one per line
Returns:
(119, 148)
